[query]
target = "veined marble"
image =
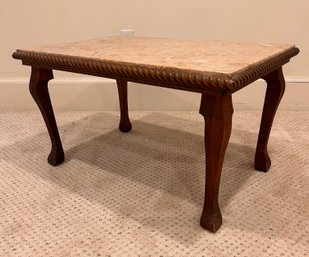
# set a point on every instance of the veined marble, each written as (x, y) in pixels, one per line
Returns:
(206, 56)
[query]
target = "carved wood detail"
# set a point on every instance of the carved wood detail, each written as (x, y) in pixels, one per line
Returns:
(216, 83)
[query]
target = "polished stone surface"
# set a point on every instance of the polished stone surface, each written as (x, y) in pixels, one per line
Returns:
(208, 56)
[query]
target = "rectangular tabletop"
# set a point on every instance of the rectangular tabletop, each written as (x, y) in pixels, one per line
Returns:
(202, 66)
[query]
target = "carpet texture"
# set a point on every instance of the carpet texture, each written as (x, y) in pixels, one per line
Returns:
(141, 193)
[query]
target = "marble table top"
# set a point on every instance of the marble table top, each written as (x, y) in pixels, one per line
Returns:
(209, 58)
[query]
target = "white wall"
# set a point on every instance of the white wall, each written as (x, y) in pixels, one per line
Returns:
(34, 22)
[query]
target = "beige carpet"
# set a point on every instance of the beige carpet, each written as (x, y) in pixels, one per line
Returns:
(141, 193)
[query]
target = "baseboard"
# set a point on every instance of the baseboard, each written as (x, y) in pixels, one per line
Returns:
(101, 94)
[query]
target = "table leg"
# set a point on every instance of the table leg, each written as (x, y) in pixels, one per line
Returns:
(39, 91)
(275, 90)
(125, 124)
(217, 112)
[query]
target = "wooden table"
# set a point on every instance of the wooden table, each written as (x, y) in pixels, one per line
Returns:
(215, 69)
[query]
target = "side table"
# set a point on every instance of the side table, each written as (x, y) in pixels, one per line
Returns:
(215, 69)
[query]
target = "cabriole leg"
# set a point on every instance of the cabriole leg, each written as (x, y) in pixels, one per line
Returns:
(125, 124)
(39, 91)
(217, 112)
(275, 90)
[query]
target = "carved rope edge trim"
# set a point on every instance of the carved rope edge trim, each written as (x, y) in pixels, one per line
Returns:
(190, 78)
